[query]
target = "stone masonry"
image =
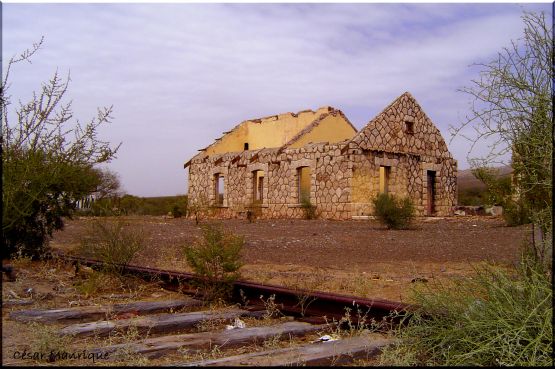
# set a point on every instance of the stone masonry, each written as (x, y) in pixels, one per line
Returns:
(344, 176)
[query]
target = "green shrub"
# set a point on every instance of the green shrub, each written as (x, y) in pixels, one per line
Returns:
(471, 196)
(176, 211)
(394, 213)
(216, 259)
(113, 243)
(134, 205)
(515, 213)
(494, 318)
(308, 208)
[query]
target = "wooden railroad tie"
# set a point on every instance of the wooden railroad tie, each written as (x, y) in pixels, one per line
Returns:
(155, 323)
(88, 313)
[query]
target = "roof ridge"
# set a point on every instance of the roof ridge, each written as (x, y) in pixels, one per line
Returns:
(291, 113)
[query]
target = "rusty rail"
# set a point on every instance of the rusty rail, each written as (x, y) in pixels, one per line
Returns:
(312, 306)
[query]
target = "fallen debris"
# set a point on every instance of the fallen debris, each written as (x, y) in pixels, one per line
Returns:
(237, 324)
(327, 338)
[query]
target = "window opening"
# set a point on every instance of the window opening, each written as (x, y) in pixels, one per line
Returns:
(409, 127)
(384, 179)
(258, 186)
(303, 184)
(219, 188)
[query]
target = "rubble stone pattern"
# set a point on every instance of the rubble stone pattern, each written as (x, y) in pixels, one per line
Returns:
(344, 176)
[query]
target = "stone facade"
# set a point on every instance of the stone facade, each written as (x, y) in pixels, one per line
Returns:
(344, 176)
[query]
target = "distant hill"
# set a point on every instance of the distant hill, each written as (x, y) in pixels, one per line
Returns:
(466, 180)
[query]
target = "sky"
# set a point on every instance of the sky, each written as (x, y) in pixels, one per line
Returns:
(178, 75)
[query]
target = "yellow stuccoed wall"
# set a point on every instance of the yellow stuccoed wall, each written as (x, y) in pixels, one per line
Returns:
(268, 132)
(331, 129)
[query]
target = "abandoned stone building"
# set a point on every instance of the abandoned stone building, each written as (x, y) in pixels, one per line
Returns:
(276, 163)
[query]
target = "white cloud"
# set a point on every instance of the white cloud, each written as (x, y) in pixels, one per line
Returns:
(180, 75)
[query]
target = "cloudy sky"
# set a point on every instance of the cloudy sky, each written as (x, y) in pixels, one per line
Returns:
(178, 75)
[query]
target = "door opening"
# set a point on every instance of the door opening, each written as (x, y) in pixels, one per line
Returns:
(431, 182)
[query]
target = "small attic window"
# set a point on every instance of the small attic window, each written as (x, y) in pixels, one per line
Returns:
(409, 127)
(246, 146)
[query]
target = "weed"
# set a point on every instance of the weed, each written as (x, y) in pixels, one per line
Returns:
(208, 325)
(271, 308)
(21, 261)
(126, 354)
(194, 355)
(254, 211)
(112, 243)
(348, 326)
(176, 211)
(272, 342)
(215, 258)
(494, 318)
(394, 213)
(93, 284)
(47, 341)
(309, 209)
(244, 300)
(302, 284)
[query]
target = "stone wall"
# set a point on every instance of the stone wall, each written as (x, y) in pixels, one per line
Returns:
(344, 176)
(334, 187)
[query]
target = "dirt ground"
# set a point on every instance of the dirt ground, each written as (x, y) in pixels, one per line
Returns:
(360, 258)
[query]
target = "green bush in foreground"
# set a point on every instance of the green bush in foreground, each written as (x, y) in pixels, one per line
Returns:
(495, 318)
(216, 258)
(394, 213)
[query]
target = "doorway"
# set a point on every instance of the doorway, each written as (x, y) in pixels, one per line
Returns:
(431, 183)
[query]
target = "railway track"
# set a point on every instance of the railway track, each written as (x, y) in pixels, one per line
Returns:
(187, 328)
